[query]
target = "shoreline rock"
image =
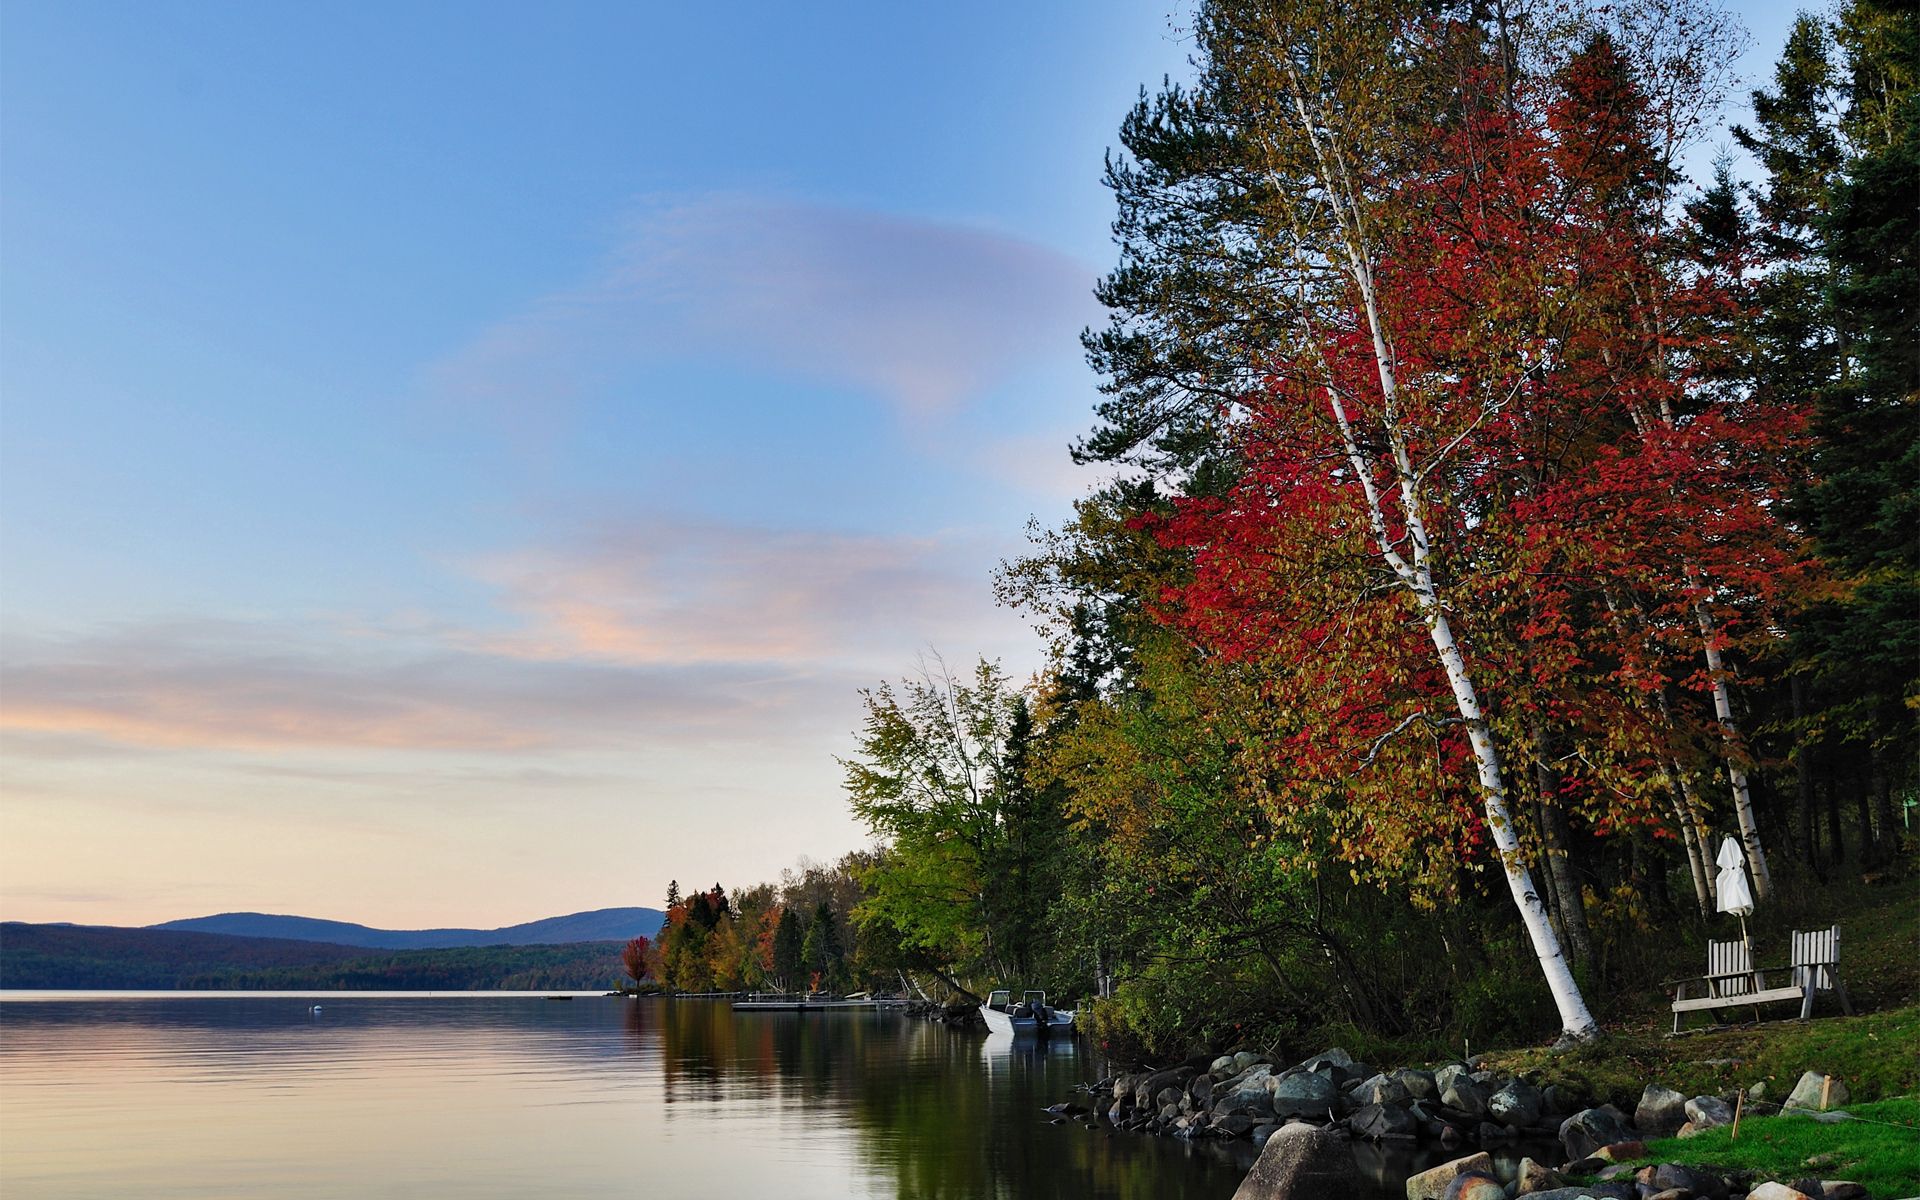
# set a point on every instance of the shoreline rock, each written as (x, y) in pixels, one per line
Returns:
(1299, 1114)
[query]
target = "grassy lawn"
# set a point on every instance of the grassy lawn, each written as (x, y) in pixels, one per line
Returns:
(1873, 1054)
(1883, 1158)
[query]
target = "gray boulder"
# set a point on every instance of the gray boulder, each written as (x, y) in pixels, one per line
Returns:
(1806, 1093)
(1146, 1087)
(1222, 1067)
(1254, 1076)
(1307, 1094)
(1533, 1177)
(1661, 1110)
(1465, 1096)
(1419, 1084)
(1244, 1059)
(1588, 1130)
(1706, 1112)
(1445, 1077)
(1379, 1122)
(1335, 1057)
(1516, 1103)
(1432, 1184)
(1615, 1190)
(1703, 1184)
(1233, 1126)
(1382, 1089)
(1248, 1100)
(1301, 1163)
(1561, 1099)
(1423, 1113)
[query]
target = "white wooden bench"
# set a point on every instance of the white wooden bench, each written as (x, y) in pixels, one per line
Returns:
(1733, 982)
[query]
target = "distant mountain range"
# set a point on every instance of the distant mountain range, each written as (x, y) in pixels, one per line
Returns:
(600, 925)
(93, 956)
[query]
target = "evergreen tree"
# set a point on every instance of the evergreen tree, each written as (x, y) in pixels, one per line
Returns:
(822, 950)
(789, 953)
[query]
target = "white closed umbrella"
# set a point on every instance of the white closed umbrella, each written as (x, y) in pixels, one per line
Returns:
(1732, 895)
(1730, 885)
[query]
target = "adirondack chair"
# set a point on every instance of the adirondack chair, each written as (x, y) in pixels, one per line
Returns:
(1732, 982)
(1816, 968)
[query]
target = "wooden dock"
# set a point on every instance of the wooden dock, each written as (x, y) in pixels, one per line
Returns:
(815, 1005)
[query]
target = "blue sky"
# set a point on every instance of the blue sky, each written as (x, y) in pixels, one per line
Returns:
(458, 463)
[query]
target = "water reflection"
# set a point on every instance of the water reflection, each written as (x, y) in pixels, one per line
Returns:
(491, 1096)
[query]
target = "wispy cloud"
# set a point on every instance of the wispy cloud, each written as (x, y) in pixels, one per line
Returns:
(243, 686)
(671, 591)
(643, 632)
(923, 314)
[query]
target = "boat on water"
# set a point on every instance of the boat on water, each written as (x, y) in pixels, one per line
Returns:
(1032, 1015)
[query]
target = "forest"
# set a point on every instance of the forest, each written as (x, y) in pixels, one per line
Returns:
(82, 956)
(1501, 511)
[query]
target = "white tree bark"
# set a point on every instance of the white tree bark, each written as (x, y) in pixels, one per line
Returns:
(1730, 741)
(1414, 571)
(1414, 567)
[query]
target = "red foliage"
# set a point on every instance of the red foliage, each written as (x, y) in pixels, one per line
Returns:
(1584, 490)
(634, 957)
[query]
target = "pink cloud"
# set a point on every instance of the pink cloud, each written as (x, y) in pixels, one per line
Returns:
(645, 633)
(687, 592)
(248, 686)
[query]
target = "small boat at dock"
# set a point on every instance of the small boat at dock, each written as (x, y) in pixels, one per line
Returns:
(1031, 1016)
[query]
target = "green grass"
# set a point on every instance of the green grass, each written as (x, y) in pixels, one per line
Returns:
(1873, 1054)
(1883, 1158)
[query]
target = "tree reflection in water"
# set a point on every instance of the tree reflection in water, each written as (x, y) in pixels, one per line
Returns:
(942, 1114)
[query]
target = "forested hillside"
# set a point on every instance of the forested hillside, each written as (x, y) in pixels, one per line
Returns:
(599, 925)
(76, 956)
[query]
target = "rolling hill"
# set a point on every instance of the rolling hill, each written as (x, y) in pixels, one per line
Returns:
(599, 925)
(95, 956)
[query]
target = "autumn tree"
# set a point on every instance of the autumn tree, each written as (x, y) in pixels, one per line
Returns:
(635, 957)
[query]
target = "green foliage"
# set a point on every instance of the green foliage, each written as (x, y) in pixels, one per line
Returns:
(969, 873)
(821, 951)
(789, 959)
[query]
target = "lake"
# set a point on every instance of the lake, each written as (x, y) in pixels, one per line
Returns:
(493, 1095)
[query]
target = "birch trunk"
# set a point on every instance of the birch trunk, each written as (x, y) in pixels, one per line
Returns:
(1348, 217)
(1575, 1020)
(1730, 740)
(1696, 854)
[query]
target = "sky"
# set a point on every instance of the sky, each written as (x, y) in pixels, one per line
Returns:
(460, 463)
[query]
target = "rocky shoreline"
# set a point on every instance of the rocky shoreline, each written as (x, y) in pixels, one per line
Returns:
(1331, 1099)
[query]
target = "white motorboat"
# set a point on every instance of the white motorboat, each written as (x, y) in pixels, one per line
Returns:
(1032, 1015)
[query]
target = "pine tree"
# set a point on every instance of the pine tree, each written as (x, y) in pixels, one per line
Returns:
(789, 953)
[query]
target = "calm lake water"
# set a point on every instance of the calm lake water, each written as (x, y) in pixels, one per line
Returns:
(497, 1095)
